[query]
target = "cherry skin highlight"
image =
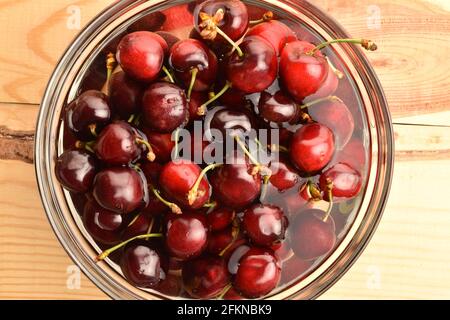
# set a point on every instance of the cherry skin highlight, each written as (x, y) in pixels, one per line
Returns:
(141, 264)
(347, 182)
(258, 62)
(302, 74)
(205, 277)
(75, 170)
(264, 224)
(186, 235)
(258, 273)
(312, 147)
(120, 189)
(187, 55)
(88, 114)
(164, 107)
(178, 178)
(141, 55)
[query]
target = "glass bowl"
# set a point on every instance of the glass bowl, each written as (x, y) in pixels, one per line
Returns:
(67, 81)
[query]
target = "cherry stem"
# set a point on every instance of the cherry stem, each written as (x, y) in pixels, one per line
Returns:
(314, 102)
(366, 44)
(194, 73)
(258, 166)
(224, 291)
(235, 233)
(193, 194)
(85, 145)
(313, 191)
(150, 226)
(134, 219)
(93, 129)
(150, 154)
(168, 74)
(110, 63)
(131, 118)
(335, 70)
(203, 108)
(329, 192)
(212, 204)
(233, 44)
(266, 180)
(173, 207)
(266, 17)
(107, 252)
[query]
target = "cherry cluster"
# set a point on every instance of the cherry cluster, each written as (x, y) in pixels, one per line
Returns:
(154, 213)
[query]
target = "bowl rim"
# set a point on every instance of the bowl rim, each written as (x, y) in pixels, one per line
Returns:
(42, 168)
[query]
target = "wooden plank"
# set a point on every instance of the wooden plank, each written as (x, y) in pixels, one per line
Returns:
(413, 36)
(409, 252)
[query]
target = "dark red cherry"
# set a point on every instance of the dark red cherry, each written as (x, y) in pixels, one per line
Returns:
(354, 153)
(151, 21)
(205, 277)
(220, 218)
(233, 20)
(170, 39)
(234, 98)
(178, 178)
(189, 55)
(302, 73)
(164, 107)
(118, 144)
(171, 286)
(233, 173)
(257, 69)
(258, 273)
(120, 189)
(283, 175)
(186, 235)
(220, 240)
(312, 147)
(264, 224)
(141, 264)
(75, 170)
(162, 145)
(88, 114)
(347, 182)
(294, 268)
(311, 236)
(229, 122)
(143, 223)
(335, 115)
(125, 95)
(141, 55)
(328, 87)
(103, 225)
(278, 108)
(274, 32)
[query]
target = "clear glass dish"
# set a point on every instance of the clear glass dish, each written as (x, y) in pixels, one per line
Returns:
(67, 81)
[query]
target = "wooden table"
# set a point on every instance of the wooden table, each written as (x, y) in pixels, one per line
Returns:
(409, 256)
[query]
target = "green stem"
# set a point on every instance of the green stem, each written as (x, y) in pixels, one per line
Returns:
(131, 118)
(194, 73)
(93, 129)
(168, 74)
(366, 44)
(335, 70)
(264, 188)
(193, 194)
(203, 108)
(224, 291)
(330, 199)
(110, 63)
(173, 207)
(317, 101)
(106, 253)
(233, 44)
(266, 17)
(150, 154)
(85, 145)
(212, 204)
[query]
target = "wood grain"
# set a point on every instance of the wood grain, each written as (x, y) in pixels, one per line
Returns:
(409, 252)
(413, 36)
(408, 257)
